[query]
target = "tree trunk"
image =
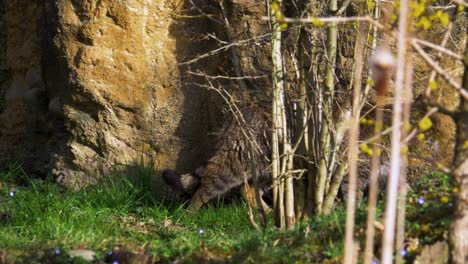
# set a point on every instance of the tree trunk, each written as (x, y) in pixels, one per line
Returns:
(353, 144)
(382, 83)
(327, 115)
(395, 161)
(459, 228)
(277, 116)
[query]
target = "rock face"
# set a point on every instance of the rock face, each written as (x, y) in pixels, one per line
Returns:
(87, 84)
(22, 138)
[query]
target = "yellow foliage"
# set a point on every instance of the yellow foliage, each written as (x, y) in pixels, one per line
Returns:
(317, 22)
(421, 137)
(365, 121)
(444, 199)
(367, 150)
(378, 152)
(364, 148)
(425, 124)
(442, 17)
(418, 8)
(276, 8)
(423, 23)
(433, 85)
(370, 5)
(404, 150)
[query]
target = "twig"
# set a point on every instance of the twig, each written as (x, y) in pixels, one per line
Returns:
(461, 2)
(313, 20)
(210, 17)
(223, 48)
(439, 69)
(433, 74)
(434, 163)
(216, 77)
(343, 8)
(251, 215)
(234, 109)
(439, 48)
(416, 129)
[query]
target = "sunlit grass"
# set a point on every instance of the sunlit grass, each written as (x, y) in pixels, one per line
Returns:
(127, 212)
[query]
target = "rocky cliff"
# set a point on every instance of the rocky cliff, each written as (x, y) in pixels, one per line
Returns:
(86, 84)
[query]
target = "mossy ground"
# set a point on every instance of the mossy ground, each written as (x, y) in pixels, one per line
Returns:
(40, 221)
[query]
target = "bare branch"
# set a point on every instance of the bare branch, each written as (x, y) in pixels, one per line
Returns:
(224, 48)
(439, 69)
(434, 163)
(416, 129)
(210, 17)
(439, 48)
(343, 8)
(461, 2)
(234, 109)
(318, 20)
(217, 77)
(433, 74)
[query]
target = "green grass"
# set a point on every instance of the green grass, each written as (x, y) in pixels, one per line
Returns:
(42, 216)
(128, 213)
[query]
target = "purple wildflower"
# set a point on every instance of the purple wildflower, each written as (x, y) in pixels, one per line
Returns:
(421, 200)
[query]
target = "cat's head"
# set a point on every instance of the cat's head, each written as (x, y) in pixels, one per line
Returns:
(184, 185)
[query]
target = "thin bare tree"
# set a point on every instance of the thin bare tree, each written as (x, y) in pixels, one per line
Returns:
(281, 160)
(353, 151)
(395, 160)
(459, 228)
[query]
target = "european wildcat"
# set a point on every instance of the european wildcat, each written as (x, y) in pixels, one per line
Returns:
(231, 164)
